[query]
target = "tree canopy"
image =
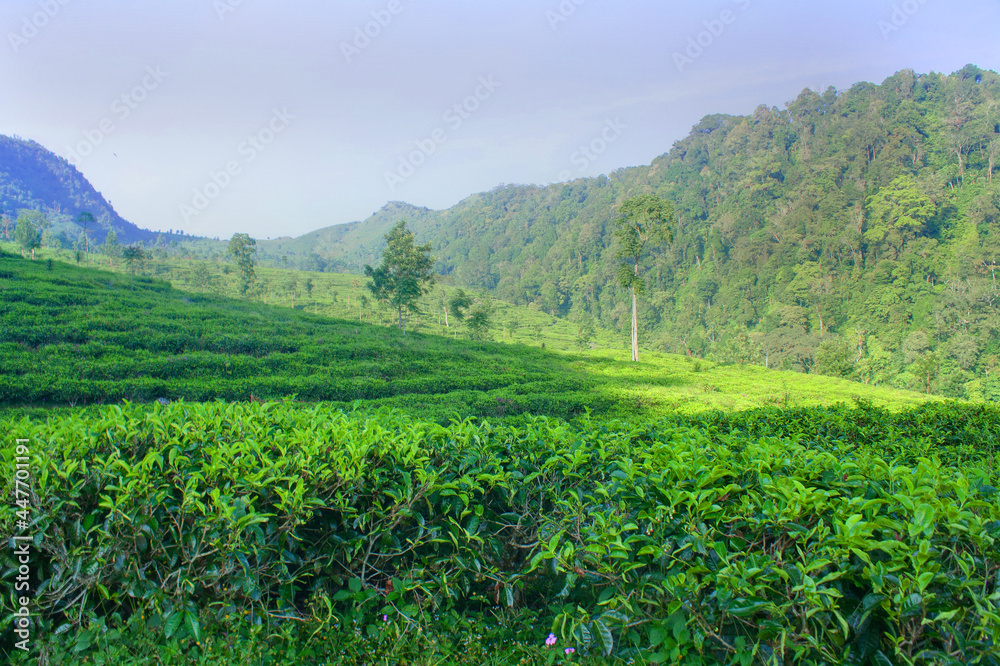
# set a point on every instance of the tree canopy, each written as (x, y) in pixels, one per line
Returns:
(645, 220)
(28, 232)
(243, 250)
(405, 273)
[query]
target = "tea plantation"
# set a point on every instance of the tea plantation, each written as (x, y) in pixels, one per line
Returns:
(71, 337)
(318, 491)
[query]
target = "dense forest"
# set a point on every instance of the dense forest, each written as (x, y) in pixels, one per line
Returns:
(851, 233)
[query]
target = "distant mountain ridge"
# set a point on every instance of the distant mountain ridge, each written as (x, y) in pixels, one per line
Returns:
(345, 248)
(34, 177)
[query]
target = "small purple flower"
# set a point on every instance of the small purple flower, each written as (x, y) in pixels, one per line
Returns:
(385, 618)
(551, 640)
(569, 650)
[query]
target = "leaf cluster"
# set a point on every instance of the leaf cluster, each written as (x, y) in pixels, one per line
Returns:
(659, 541)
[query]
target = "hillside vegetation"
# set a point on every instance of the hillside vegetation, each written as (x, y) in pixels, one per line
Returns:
(852, 233)
(287, 477)
(76, 336)
(268, 534)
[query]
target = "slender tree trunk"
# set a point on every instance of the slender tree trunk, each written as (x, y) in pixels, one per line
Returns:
(635, 318)
(635, 329)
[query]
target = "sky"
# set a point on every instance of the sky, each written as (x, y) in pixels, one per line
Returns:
(275, 118)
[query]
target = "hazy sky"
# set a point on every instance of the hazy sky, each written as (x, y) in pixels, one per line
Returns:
(277, 118)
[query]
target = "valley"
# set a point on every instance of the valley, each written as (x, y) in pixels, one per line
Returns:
(422, 438)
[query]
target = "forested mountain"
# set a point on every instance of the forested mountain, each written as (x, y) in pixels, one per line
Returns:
(32, 177)
(854, 233)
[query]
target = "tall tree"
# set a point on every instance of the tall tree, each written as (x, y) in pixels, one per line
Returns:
(405, 273)
(458, 305)
(897, 212)
(112, 248)
(27, 235)
(133, 256)
(481, 317)
(646, 221)
(243, 249)
(6, 224)
(85, 219)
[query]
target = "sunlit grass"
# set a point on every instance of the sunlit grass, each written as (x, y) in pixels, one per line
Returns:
(335, 346)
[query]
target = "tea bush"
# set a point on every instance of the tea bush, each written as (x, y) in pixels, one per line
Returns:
(761, 538)
(74, 336)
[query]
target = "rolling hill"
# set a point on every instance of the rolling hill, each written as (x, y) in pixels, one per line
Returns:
(73, 336)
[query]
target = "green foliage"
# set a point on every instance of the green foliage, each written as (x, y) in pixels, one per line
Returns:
(585, 333)
(85, 220)
(872, 209)
(479, 322)
(112, 248)
(896, 213)
(835, 358)
(242, 248)
(75, 336)
(991, 389)
(262, 532)
(645, 221)
(798, 536)
(458, 304)
(28, 232)
(133, 256)
(405, 273)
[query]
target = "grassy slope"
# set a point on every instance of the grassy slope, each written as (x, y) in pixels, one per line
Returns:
(73, 336)
(336, 295)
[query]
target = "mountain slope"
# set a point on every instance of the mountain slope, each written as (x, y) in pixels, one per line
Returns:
(854, 233)
(33, 177)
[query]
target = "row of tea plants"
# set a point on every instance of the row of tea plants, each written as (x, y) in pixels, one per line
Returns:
(71, 336)
(314, 535)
